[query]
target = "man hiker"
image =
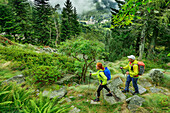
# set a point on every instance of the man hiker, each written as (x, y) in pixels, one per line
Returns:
(102, 81)
(132, 74)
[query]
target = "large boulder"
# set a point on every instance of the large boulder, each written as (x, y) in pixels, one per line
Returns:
(18, 79)
(134, 102)
(118, 96)
(156, 76)
(57, 93)
(67, 79)
(141, 89)
(145, 83)
(155, 90)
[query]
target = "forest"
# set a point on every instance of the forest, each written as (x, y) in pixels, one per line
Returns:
(46, 44)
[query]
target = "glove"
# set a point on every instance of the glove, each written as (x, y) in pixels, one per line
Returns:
(121, 67)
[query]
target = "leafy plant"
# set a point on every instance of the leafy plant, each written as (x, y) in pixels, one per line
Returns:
(84, 51)
(45, 105)
(44, 74)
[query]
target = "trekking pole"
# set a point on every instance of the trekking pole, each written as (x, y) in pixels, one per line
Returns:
(123, 72)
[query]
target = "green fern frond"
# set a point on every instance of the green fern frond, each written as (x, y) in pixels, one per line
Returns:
(5, 103)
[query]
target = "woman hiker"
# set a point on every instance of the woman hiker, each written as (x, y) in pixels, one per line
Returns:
(102, 81)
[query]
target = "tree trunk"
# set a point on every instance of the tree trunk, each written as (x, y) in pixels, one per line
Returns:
(137, 45)
(57, 32)
(142, 45)
(151, 49)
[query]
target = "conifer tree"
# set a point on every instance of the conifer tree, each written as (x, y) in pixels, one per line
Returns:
(70, 25)
(65, 27)
(21, 10)
(41, 15)
(76, 26)
(67, 18)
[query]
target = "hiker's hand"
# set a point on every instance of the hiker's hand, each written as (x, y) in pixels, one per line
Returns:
(121, 67)
(127, 73)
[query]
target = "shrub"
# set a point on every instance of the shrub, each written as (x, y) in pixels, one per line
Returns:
(44, 74)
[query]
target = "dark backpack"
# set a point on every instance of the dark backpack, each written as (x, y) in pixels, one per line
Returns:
(107, 73)
(141, 67)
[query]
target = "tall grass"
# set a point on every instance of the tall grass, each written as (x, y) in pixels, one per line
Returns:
(157, 103)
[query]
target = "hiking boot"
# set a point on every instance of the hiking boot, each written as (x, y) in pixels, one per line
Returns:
(109, 94)
(96, 100)
(135, 93)
(124, 91)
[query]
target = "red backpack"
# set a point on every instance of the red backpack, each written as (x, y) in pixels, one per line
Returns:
(141, 67)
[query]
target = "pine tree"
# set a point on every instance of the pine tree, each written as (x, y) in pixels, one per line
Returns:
(65, 27)
(41, 15)
(70, 25)
(67, 21)
(75, 26)
(21, 9)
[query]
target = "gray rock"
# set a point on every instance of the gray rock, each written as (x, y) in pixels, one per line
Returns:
(59, 93)
(134, 102)
(48, 50)
(80, 95)
(92, 102)
(71, 97)
(65, 100)
(145, 83)
(141, 89)
(156, 76)
(19, 79)
(118, 96)
(155, 90)
(66, 78)
(116, 82)
(74, 110)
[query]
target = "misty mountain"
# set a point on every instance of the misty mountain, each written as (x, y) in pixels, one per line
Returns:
(88, 5)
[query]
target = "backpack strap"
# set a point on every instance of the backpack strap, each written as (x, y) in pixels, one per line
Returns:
(132, 66)
(100, 75)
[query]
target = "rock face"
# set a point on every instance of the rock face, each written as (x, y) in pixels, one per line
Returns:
(155, 90)
(134, 102)
(156, 75)
(19, 79)
(66, 79)
(145, 83)
(141, 89)
(118, 96)
(57, 93)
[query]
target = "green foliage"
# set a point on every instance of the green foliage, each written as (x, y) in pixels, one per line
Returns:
(45, 105)
(157, 103)
(43, 68)
(84, 51)
(44, 75)
(127, 13)
(168, 54)
(70, 25)
(23, 100)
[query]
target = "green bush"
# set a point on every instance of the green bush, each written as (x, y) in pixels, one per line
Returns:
(29, 59)
(44, 74)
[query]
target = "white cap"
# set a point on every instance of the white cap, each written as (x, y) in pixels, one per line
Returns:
(131, 57)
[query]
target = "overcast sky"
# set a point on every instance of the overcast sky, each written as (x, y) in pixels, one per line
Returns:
(81, 5)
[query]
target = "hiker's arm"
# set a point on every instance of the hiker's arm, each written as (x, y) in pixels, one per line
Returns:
(126, 67)
(135, 71)
(104, 78)
(93, 74)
